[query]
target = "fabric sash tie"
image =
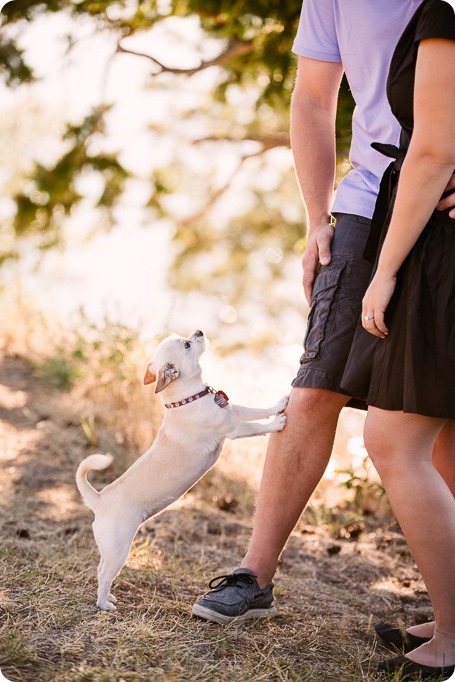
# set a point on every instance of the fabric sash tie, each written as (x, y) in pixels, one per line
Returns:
(386, 190)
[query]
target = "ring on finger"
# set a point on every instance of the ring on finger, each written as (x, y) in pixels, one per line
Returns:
(369, 317)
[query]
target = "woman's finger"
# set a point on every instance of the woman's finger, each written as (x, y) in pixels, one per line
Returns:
(368, 323)
(373, 323)
(379, 322)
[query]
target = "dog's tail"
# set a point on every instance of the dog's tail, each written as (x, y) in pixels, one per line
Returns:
(88, 492)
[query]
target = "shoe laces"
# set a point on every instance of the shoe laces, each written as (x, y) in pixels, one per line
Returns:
(237, 579)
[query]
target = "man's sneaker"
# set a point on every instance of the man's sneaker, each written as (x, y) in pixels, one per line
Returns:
(235, 597)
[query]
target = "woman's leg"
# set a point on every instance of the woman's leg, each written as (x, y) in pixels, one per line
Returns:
(444, 454)
(444, 461)
(401, 447)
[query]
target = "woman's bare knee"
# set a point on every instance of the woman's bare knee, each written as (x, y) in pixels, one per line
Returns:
(378, 445)
(396, 440)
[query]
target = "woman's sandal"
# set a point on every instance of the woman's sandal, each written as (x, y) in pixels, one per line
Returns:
(411, 670)
(399, 638)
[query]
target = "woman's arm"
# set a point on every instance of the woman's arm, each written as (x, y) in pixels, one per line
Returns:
(429, 164)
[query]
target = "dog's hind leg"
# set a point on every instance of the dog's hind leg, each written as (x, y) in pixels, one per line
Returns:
(110, 597)
(114, 546)
(114, 558)
(112, 567)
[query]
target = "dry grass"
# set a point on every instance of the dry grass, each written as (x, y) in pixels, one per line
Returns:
(52, 630)
(341, 570)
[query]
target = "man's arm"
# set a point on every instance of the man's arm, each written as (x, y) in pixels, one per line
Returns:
(313, 111)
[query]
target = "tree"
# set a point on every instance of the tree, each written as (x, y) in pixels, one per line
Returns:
(253, 56)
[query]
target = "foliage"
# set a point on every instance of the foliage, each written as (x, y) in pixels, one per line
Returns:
(54, 194)
(254, 40)
(57, 371)
(368, 493)
(12, 65)
(365, 490)
(256, 35)
(99, 367)
(97, 354)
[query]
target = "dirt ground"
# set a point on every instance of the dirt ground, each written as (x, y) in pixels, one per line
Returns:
(336, 578)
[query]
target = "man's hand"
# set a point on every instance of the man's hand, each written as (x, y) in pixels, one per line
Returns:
(448, 202)
(317, 253)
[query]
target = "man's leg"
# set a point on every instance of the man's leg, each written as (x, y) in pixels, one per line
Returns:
(297, 458)
(302, 448)
(295, 462)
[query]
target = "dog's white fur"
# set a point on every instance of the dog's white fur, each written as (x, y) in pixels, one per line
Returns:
(187, 445)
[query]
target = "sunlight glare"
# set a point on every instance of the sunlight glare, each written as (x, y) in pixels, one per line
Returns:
(228, 314)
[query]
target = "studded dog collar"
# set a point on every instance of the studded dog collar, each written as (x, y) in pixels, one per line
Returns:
(221, 398)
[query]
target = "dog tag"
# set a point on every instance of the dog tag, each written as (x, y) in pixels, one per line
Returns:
(221, 399)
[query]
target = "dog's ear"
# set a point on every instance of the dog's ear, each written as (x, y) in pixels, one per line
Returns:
(166, 374)
(149, 376)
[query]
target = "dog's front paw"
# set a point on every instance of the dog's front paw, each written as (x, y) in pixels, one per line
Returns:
(281, 406)
(279, 422)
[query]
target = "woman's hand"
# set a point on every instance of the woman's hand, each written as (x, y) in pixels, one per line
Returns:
(448, 202)
(375, 303)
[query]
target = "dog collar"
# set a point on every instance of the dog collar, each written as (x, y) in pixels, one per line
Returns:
(221, 398)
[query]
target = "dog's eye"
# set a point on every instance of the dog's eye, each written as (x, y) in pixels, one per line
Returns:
(187, 344)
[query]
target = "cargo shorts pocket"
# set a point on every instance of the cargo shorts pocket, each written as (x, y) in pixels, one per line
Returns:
(324, 292)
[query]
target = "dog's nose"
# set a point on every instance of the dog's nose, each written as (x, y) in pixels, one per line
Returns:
(198, 333)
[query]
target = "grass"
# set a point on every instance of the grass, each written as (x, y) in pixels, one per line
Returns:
(52, 630)
(345, 565)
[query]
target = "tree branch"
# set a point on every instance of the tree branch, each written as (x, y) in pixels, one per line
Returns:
(267, 141)
(214, 197)
(273, 142)
(235, 49)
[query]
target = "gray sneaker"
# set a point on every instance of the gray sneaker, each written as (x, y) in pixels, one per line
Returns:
(235, 597)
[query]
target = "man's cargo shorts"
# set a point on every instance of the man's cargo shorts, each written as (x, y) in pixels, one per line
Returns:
(336, 307)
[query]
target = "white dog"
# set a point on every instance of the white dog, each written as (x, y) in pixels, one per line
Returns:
(196, 422)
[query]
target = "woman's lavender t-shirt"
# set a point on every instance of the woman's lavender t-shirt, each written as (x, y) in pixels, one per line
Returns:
(362, 34)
